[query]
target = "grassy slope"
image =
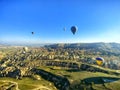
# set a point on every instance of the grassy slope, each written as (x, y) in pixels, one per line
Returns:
(28, 83)
(76, 78)
(94, 78)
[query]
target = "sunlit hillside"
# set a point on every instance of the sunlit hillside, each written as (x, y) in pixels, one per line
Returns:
(60, 67)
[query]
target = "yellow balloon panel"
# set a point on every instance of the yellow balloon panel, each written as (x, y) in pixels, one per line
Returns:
(99, 62)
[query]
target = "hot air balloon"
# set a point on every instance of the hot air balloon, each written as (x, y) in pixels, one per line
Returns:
(25, 49)
(99, 61)
(32, 32)
(74, 29)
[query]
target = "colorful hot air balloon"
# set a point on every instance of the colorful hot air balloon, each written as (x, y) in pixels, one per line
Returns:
(74, 29)
(99, 61)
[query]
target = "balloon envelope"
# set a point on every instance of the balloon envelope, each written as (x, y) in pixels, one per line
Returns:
(99, 61)
(32, 32)
(74, 29)
(25, 49)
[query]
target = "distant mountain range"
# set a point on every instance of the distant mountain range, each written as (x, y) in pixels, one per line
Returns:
(21, 44)
(102, 47)
(87, 45)
(107, 47)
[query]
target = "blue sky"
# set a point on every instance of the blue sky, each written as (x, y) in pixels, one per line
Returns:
(97, 21)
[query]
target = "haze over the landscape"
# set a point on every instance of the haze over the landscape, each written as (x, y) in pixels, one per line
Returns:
(59, 45)
(97, 21)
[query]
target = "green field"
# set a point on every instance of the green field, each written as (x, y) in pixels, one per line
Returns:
(82, 80)
(79, 80)
(27, 83)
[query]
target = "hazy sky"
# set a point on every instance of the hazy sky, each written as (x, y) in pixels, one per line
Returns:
(97, 21)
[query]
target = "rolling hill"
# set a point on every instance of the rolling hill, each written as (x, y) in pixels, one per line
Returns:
(108, 48)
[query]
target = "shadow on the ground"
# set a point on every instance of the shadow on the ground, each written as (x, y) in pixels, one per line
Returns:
(73, 70)
(100, 80)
